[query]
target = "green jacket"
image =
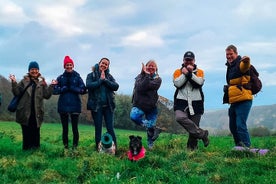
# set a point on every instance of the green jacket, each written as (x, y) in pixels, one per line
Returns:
(42, 91)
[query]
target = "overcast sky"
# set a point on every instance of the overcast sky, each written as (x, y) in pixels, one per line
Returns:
(130, 32)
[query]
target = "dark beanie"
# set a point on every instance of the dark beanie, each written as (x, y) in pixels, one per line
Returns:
(33, 64)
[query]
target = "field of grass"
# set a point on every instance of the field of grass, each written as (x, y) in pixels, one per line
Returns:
(169, 161)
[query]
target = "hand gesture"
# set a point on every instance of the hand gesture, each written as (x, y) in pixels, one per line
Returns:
(144, 68)
(102, 75)
(54, 82)
(12, 77)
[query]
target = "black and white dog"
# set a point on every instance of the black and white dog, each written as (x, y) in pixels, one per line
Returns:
(136, 149)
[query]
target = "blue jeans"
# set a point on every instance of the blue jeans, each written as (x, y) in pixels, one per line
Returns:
(107, 114)
(146, 119)
(238, 114)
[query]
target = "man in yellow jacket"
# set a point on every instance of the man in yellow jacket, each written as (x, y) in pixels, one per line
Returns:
(239, 98)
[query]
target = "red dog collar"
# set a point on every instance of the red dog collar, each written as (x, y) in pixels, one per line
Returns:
(140, 155)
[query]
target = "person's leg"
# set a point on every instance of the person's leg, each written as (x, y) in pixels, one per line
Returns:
(136, 115)
(150, 122)
(183, 119)
(233, 123)
(64, 117)
(34, 133)
(25, 138)
(97, 118)
(75, 121)
(242, 112)
(192, 141)
(109, 123)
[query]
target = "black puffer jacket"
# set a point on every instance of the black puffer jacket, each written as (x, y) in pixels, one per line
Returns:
(145, 94)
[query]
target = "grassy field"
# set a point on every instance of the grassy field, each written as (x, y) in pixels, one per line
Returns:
(169, 161)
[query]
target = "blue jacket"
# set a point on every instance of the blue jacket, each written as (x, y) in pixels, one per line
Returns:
(100, 90)
(69, 87)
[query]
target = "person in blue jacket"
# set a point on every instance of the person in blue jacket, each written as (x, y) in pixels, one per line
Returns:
(101, 99)
(69, 86)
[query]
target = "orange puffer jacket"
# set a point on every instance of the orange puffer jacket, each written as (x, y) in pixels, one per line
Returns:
(238, 75)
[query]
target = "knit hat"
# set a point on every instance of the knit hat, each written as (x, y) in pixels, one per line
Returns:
(189, 55)
(67, 59)
(106, 140)
(33, 64)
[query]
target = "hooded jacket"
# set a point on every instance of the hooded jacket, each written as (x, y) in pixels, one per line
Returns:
(237, 76)
(98, 88)
(42, 91)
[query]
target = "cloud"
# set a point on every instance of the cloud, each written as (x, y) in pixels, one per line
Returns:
(142, 39)
(11, 14)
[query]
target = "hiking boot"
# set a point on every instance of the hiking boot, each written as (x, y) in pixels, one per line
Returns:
(156, 133)
(205, 138)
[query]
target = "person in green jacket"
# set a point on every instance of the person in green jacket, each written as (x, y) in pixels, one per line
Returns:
(30, 110)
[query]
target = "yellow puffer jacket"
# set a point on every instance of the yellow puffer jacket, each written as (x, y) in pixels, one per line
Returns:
(237, 76)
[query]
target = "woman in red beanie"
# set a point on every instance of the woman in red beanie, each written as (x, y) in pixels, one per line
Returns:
(69, 86)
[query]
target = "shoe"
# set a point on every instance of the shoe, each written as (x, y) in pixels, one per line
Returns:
(150, 144)
(205, 138)
(156, 133)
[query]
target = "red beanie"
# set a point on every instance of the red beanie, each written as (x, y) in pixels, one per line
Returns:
(67, 59)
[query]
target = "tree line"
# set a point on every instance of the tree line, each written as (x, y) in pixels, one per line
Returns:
(121, 115)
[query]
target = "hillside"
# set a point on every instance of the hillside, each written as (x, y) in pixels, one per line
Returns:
(214, 121)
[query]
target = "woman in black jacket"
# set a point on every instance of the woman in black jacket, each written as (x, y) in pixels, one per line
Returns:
(101, 98)
(144, 111)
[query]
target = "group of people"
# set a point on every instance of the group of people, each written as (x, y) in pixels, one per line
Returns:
(101, 85)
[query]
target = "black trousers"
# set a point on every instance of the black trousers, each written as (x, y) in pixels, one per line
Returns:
(74, 121)
(31, 135)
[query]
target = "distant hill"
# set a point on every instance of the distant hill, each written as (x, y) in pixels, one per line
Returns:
(214, 121)
(217, 120)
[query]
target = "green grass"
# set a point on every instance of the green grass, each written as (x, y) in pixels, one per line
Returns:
(169, 161)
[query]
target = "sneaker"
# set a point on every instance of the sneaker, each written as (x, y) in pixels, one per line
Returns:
(205, 138)
(156, 133)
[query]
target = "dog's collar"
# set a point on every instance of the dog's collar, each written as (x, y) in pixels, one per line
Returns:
(140, 155)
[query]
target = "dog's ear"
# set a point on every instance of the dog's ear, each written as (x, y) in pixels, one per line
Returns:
(139, 137)
(131, 137)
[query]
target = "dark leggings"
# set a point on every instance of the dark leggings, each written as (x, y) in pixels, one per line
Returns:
(74, 121)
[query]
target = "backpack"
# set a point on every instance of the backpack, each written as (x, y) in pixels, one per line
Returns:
(255, 84)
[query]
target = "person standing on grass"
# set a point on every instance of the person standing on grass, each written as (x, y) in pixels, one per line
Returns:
(101, 99)
(144, 109)
(189, 100)
(239, 98)
(69, 86)
(30, 110)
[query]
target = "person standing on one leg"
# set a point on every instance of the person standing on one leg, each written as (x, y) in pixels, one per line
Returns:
(189, 100)
(69, 86)
(239, 98)
(144, 111)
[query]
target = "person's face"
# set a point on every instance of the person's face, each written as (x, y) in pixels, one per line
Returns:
(104, 64)
(151, 68)
(189, 62)
(34, 72)
(231, 55)
(69, 67)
